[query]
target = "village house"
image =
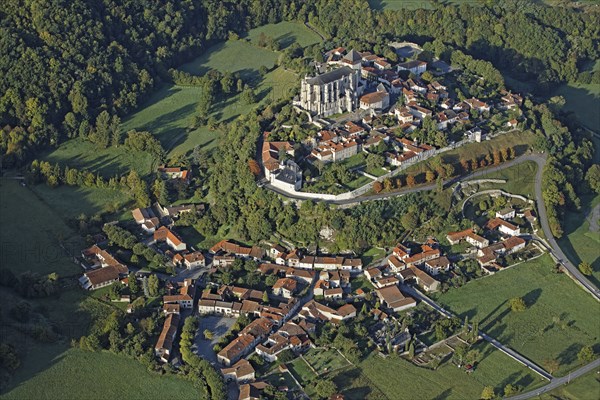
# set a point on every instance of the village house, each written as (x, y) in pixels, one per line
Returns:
(506, 213)
(185, 298)
(175, 173)
(164, 234)
(252, 391)
(488, 255)
(503, 226)
(110, 271)
(435, 266)
(375, 101)
(334, 293)
(394, 299)
(227, 247)
(240, 372)
(414, 66)
(285, 287)
(164, 345)
(420, 277)
(146, 219)
(319, 312)
(469, 236)
(194, 260)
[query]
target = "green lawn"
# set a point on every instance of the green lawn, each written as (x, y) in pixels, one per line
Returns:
(520, 179)
(583, 388)
(401, 379)
(280, 379)
(371, 255)
(557, 323)
(285, 33)
(325, 360)
(31, 233)
(82, 154)
(70, 202)
(579, 242)
(77, 374)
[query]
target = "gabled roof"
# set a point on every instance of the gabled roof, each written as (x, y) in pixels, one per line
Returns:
(330, 76)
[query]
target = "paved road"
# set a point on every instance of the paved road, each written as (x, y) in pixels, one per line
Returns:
(508, 351)
(557, 382)
(540, 160)
(556, 250)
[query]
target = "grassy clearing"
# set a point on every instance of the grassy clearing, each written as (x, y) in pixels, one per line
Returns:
(81, 154)
(583, 388)
(582, 100)
(167, 114)
(371, 255)
(77, 374)
(31, 233)
(447, 382)
(579, 242)
(556, 323)
(325, 360)
(285, 33)
(520, 179)
(70, 202)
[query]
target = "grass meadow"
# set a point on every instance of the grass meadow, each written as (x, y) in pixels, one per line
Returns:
(397, 378)
(556, 323)
(31, 233)
(582, 100)
(77, 374)
(520, 179)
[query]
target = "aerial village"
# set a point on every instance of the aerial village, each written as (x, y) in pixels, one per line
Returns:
(282, 296)
(360, 105)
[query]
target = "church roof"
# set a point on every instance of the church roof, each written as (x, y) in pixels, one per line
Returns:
(330, 76)
(353, 57)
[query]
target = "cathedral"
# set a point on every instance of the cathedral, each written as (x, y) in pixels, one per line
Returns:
(331, 93)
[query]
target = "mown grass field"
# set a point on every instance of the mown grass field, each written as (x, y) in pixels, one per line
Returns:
(82, 154)
(397, 378)
(520, 179)
(580, 242)
(169, 112)
(70, 202)
(558, 320)
(583, 388)
(285, 33)
(77, 374)
(31, 233)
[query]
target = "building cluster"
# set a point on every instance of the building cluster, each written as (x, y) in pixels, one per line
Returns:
(488, 251)
(103, 268)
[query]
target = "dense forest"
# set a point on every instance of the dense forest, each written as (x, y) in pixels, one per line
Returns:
(63, 62)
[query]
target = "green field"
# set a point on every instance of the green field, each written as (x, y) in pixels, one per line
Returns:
(82, 154)
(70, 202)
(583, 101)
(520, 179)
(401, 379)
(325, 360)
(285, 33)
(556, 324)
(77, 374)
(580, 242)
(585, 387)
(31, 233)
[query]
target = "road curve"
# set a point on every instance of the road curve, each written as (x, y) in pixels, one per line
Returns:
(556, 382)
(539, 159)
